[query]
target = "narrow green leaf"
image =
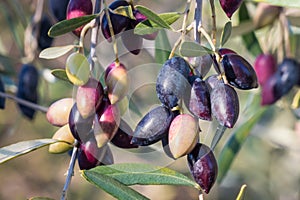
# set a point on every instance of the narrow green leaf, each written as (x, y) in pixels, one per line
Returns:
(218, 135)
(60, 74)
(143, 174)
(66, 26)
(162, 47)
(148, 26)
(249, 39)
(226, 33)
(55, 52)
(193, 49)
(40, 198)
(125, 11)
(235, 142)
(112, 186)
(241, 194)
(21, 148)
(152, 16)
(289, 3)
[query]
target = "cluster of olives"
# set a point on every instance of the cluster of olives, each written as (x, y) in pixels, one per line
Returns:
(276, 81)
(125, 25)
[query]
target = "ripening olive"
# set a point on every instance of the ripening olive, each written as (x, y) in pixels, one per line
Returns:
(59, 111)
(62, 134)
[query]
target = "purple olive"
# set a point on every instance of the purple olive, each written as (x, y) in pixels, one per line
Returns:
(59, 8)
(203, 166)
(44, 41)
(230, 6)
(265, 67)
(2, 89)
(79, 8)
(239, 72)
(225, 105)
(123, 136)
(131, 41)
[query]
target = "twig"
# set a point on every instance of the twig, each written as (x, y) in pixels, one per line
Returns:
(214, 23)
(198, 21)
(201, 196)
(24, 102)
(70, 171)
(183, 29)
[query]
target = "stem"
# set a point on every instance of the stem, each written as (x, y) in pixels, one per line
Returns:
(285, 31)
(70, 171)
(111, 30)
(214, 23)
(201, 196)
(210, 41)
(198, 21)
(183, 29)
(94, 36)
(24, 102)
(82, 34)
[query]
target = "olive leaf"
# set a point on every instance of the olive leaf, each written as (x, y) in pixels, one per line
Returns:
(249, 39)
(193, 49)
(290, 3)
(55, 52)
(226, 33)
(162, 47)
(18, 149)
(60, 74)
(40, 198)
(112, 186)
(148, 26)
(142, 174)
(69, 25)
(125, 11)
(235, 142)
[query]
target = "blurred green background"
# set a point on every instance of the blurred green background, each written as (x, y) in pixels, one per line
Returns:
(268, 161)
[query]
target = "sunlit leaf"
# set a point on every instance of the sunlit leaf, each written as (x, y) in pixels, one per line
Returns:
(153, 16)
(162, 47)
(125, 11)
(249, 39)
(226, 33)
(21, 148)
(233, 145)
(148, 26)
(55, 52)
(193, 49)
(60, 74)
(289, 3)
(143, 174)
(66, 26)
(112, 186)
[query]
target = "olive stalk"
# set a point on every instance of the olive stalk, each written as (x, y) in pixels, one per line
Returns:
(24, 102)
(183, 29)
(214, 23)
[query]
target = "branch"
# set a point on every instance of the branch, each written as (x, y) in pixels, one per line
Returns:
(198, 21)
(24, 102)
(214, 23)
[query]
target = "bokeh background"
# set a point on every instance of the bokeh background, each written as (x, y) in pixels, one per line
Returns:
(268, 162)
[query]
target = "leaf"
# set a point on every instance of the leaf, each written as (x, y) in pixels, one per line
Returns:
(143, 174)
(226, 33)
(7, 65)
(235, 142)
(289, 3)
(153, 16)
(148, 26)
(55, 52)
(241, 194)
(40, 198)
(66, 26)
(125, 11)
(162, 47)
(112, 186)
(218, 135)
(21, 148)
(193, 49)
(249, 39)
(60, 74)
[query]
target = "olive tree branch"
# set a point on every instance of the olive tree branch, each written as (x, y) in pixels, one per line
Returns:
(198, 21)
(214, 23)
(24, 102)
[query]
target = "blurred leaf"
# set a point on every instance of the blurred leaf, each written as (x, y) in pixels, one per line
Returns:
(133, 107)
(148, 26)
(218, 135)
(21, 148)
(193, 49)
(289, 3)
(7, 64)
(241, 194)
(162, 47)
(249, 39)
(124, 11)
(40, 198)
(66, 26)
(112, 186)
(60, 74)
(55, 52)
(226, 33)
(153, 16)
(143, 174)
(235, 142)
